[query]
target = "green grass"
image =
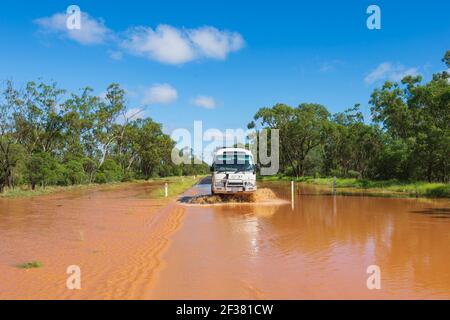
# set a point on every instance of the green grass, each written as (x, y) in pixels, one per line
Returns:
(391, 187)
(25, 191)
(176, 186)
(31, 265)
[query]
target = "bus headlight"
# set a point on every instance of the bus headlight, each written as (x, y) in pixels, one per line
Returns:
(218, 183)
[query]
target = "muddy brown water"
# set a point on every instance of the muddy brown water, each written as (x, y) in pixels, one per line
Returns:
(321, 249)
(129, 246)
(115, 235)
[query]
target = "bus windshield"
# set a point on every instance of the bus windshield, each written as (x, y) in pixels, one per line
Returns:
(233, 162)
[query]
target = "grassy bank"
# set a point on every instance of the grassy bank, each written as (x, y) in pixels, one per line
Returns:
(177, 186)
(374, 187)
(26, 191)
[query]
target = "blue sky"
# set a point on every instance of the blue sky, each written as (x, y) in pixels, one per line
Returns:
(219, 61)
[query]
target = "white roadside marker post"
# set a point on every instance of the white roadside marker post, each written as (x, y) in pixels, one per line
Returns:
(166, 189)
(292, 194)
(334, 185)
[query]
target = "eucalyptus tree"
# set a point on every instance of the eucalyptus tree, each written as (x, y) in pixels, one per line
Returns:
(301, 130)
(418, 115)
(11, 152)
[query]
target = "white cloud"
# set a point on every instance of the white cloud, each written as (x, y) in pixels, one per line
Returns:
(390, 71)
(330, 66)
(214, 43)
(171, 45)
(134, 114)
(400, 73)
(165, 44)
(160, 93)
(102, 95)
(205, 102)
(378, 73)
(92, 31)
(115, 55)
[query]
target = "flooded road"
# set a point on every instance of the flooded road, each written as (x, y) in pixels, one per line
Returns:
(114, 235)
(321, 249)
(130, 246)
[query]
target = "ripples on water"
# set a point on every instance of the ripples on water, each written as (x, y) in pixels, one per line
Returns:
(319, 249)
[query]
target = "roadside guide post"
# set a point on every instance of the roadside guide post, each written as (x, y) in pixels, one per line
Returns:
(334, 185)
(166, 189)
(292, 194)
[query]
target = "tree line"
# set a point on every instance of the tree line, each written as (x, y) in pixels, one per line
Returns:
(51, 137)
(407, 139)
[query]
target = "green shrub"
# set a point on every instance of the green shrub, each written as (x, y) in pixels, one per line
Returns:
(442, 191)
(43, 169)
(31, 265)
(74, 172)
(353, 174)
(110, 171)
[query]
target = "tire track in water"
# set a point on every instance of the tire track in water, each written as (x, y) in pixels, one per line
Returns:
(135, 278)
